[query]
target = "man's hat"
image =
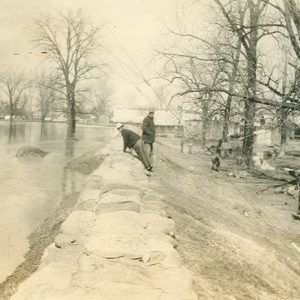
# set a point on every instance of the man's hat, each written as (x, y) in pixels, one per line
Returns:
(119, 125)
(151, 110)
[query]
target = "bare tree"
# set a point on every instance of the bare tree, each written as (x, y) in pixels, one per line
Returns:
(290, 10)
(69, 42)
(249, 32)
(189, 74)
(287, 86)
(100, 99)
(46, 95)
(232, 78)
(13, 85)
(237, 62)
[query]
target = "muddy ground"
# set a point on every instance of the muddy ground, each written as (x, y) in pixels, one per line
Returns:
(240, 243)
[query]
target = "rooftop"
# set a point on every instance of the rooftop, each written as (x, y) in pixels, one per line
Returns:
(136, 116)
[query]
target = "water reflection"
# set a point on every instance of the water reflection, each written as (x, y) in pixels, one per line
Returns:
(50, 131)
(13, 130)
(44, 131)
(31, 189)
(69, 150)
(68, 180)
(18, 132)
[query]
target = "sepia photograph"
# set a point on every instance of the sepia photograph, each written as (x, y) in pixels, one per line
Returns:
(150, 150)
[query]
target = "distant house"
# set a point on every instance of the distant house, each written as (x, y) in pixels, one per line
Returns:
(263, 137)
(90, 118)
(8, 117)
(59, 119)
(166, 122)
(296, 127)
(192, 124)
(264, 120)
(104, 119)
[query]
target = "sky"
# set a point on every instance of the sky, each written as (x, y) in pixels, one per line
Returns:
(130, 30)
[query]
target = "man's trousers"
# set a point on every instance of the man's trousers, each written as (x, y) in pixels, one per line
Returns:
(143, 156)
(149, 150)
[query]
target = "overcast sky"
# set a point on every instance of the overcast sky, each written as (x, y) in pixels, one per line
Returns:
(131, 29)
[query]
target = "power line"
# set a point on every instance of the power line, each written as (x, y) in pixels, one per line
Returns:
(135, 69)
(137, 72)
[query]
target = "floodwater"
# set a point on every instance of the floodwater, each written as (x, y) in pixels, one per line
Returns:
(31, 188)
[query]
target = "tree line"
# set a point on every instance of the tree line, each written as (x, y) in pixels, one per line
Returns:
(73, 82)
(230, 73)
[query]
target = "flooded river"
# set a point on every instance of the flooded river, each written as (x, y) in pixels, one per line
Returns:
(31, 188)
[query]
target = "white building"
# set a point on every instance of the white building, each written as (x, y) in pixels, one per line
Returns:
(166, 122)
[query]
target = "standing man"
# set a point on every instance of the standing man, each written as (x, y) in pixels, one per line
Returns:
(148, 133)
(133, 140)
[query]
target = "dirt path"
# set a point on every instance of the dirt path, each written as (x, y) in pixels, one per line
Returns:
(239, 244)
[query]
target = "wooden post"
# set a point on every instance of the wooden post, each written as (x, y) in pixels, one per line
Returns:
(181, 146)
(298, 186)
(296, 216)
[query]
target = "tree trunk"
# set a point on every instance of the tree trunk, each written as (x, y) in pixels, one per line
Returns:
(231, 89)
(204, 123)
(226, 119)
(283, 131)
(73, 119)
(11, 112)
(284, 112)
(43, 117)
(250, 106)
(298, 212)
(204, 131)
(71, 112)
(248, 140)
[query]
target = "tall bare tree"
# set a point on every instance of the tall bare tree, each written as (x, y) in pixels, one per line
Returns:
(287, 85)
(69, 42)
(232, 78)
(13, 85)
(249, 30)
(193, 79)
